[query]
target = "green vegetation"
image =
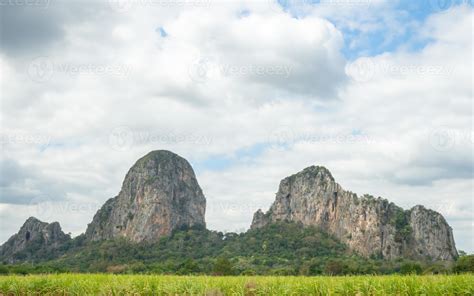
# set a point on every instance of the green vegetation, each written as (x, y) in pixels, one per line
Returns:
(277, 249)
(100, 284)
(464, 263)
(402, 225)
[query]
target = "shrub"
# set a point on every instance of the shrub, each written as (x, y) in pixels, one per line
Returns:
(464, 264)
(411, 268)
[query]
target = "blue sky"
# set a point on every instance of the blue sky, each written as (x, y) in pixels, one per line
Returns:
(384, 39)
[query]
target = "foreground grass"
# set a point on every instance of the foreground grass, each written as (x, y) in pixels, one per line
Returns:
(105, 284)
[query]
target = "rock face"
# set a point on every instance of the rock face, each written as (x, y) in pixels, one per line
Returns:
(369, 226)
(160, 193)
(34, 236)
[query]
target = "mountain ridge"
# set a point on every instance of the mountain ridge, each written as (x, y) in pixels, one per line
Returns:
(372, 227)
(33, 237)
(160, 194)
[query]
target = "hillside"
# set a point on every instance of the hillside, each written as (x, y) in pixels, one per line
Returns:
(156, 224)
(370, 226)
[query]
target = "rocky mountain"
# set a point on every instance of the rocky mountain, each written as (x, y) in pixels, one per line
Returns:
(370, 226)
(33, 238)
(160, 193)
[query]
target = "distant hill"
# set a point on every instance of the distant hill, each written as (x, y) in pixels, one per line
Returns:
(367, 225)
(156, 223)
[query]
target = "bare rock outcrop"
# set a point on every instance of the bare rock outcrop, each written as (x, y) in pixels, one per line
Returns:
(370, 226)
(33, 238)
(160, 193)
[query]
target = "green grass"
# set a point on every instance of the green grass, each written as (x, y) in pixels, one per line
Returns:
(107, 284)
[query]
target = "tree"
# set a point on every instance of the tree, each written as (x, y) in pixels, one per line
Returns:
(189, 266)
(411, 268)
(222, 266)
(3, 269)
(334, 267)
(464, 264)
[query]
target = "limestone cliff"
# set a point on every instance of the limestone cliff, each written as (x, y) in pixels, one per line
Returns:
(34, 237)
(160, 193)
(369, 226)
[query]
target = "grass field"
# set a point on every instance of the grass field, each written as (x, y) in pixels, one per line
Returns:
(103, 284)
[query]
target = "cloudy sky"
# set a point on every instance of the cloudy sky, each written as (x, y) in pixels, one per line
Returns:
(379, 92)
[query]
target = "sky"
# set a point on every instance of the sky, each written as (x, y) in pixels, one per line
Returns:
(249, 92)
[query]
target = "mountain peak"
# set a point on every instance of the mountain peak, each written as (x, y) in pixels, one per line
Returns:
(367, 225)
(34, 236)
(32, 220)
(315, 170)
(159, 155)
(160, 193)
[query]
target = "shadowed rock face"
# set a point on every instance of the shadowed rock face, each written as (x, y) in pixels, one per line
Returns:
(369, 226)
(33, 236)
(159, 194)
